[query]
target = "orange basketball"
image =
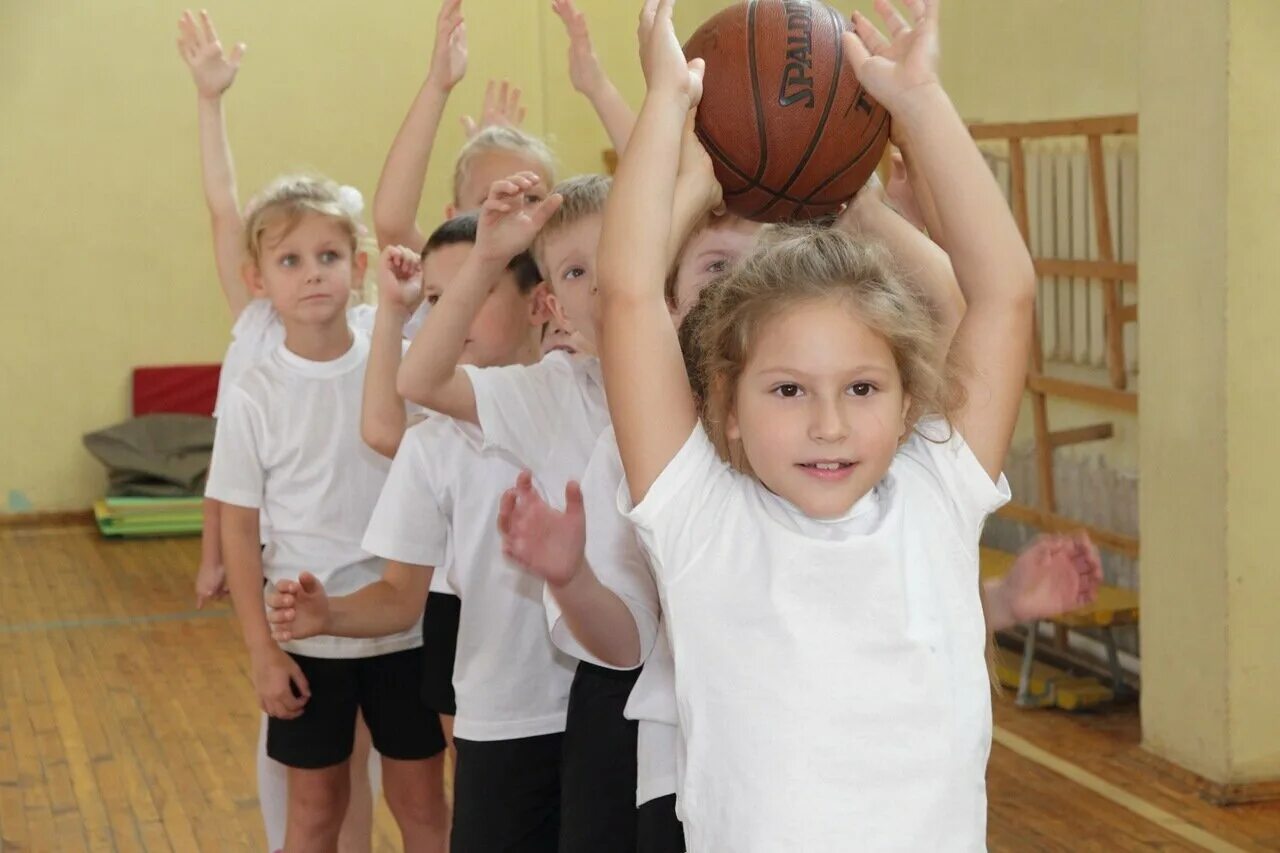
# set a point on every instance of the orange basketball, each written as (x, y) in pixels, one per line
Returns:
(791, 132)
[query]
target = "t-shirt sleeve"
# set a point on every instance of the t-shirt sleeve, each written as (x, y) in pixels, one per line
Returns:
(696, 492)
(614, 554)
(519, 406)
(409, 524)
(236, 472)
(256, 332)
(950, 465)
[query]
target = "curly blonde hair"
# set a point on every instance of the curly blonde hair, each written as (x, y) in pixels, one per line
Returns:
(794, 265)
(287, 199)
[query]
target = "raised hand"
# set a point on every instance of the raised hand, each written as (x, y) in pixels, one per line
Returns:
(298, 609)
(1055, 575)
(696, 179)
(544, 542)
(501, 107)
(511, 216)
(449, 54)
(891, 67)
(212, 70)
(585, 72)
(662, 57)
(278, 680)
(400, 277)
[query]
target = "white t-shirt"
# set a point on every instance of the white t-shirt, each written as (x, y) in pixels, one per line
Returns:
(546, 416)
(288, 443)
(615, 555)
(831, 675)
(441, 500)
(257, 333)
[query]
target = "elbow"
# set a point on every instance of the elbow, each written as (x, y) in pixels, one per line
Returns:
(410, 388)
(382, 441)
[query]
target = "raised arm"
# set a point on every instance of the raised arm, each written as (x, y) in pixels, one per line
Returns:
(588, 77)
(649, 397)
(429, 374)
(977, 230)
(213, 72)
(916, 256)
(399, 193)
(382, 415)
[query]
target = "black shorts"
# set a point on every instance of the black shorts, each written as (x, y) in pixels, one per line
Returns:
(439, 649)
(659, 830)
(381, 688)
(506, 795)
(598, 795)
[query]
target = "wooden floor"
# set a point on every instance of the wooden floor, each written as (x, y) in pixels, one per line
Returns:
(127, 723)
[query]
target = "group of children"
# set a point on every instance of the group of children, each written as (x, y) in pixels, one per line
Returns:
(661, 524)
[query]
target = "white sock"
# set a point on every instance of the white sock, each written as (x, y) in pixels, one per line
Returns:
(273, 793)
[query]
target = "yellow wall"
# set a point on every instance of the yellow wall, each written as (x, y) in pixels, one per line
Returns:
(1211, 672)
(104, 231)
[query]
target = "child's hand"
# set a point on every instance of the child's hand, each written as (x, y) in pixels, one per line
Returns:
(298, 609)
(211, 584)
(662, 57)
(585, 72)
(275, 677)
(510, 219)
(696, 179)
(542, 541)
(501, 107)
(1055, 575)
(899, 193)
(400, 277)
(449, 55)
(891, 69)
(211, 69)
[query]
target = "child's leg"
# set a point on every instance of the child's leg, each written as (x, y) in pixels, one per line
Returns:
(317, 747)
(366, 781)
(273, 792)
(411, 742)
(317, 805)
(415, 795)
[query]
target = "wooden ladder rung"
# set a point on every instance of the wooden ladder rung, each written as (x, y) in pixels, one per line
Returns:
(1080, 435)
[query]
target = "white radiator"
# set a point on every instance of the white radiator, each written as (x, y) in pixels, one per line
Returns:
(1061, 226)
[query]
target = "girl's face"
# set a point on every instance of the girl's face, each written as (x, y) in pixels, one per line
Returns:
(819, 409)
(308, 272)
(710, 253)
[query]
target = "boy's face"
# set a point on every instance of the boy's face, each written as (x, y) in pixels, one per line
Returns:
(708, 255)
(487, 167)
(505, 329)
(308, 272)
(569, 257)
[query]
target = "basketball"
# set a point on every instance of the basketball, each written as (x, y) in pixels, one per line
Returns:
(791, 132)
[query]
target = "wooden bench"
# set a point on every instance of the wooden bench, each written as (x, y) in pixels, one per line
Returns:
(1040, 685)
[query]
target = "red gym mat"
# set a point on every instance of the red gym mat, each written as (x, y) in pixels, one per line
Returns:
(181, 388)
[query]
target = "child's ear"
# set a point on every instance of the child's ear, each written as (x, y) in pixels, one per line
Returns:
(360, 265)
(906, 425)
(540, 310)
(555, 308)
(450, 211)
(252, 279)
